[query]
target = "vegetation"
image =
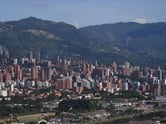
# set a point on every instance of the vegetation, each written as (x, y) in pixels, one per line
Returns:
(132, 95)
(6, 111)
(141, 44)
(77, 106)
(22, 105)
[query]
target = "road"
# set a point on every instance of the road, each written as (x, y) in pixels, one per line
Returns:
(34, 116)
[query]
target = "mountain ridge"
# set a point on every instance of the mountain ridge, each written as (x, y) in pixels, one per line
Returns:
(139, 43)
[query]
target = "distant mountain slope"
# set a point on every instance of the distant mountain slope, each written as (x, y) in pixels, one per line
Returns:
(51, 38)
(138, 43)
(148, 39)
(60, 29)
(128, 34)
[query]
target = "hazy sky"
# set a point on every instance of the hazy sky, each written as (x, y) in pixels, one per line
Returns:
(85, 12)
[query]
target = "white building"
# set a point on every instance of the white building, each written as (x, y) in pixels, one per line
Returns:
(12, 87)
(4, 93)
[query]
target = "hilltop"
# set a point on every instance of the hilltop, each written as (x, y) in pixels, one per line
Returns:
(142, 44)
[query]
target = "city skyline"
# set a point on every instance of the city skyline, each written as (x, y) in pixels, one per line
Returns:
(113, 71)
(84, 13)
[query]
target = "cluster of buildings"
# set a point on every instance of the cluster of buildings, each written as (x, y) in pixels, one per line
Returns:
(16, 75)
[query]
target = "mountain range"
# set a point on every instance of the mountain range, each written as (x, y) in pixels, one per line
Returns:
(142, 44)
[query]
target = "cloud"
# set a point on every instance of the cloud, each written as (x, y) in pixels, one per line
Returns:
(77, 24)
(141, 20)
(40, 5)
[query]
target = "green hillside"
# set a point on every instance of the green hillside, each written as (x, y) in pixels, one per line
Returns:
(142, 44)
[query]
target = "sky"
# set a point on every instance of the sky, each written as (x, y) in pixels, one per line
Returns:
(81, 13)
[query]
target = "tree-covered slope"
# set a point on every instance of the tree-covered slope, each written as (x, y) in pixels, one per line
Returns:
(138, 43)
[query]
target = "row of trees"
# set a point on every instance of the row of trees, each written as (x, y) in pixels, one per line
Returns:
(77, 105)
